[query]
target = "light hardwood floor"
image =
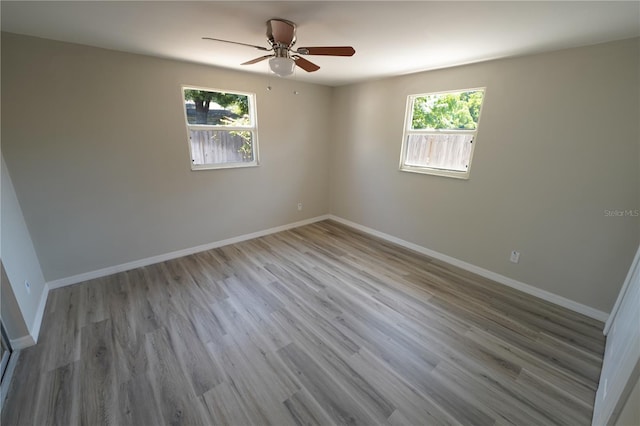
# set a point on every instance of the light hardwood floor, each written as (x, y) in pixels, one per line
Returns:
(316, 325)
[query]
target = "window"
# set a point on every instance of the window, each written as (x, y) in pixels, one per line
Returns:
(440, 131)
(221, 128)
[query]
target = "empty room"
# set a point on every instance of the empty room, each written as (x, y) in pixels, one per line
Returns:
(320, 213)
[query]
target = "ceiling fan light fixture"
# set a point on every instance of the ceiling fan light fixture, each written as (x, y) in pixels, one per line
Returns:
(282, 66)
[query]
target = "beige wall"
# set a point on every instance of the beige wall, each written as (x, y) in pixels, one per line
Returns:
(97, 148)
(102, 170)
(557, 145)
(20, 262)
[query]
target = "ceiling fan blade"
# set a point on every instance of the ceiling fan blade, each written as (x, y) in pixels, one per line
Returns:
(236, 42)
(256, 60)
(327, 50)
(281, 31)
(308, 66)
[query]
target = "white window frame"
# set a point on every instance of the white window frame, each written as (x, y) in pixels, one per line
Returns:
(409, 131)
(253, 128)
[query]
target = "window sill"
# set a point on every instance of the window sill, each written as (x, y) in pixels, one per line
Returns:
(198, 167)
(436, 172)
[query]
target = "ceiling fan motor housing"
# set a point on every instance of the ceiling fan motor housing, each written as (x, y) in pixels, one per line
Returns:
(281, 32)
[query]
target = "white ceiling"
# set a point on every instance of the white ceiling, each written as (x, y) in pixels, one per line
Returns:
(390, 37)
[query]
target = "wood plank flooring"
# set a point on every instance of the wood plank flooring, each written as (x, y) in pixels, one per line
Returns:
(319, 325)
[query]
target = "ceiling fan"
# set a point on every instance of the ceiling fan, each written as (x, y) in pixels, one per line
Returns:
(281, 35)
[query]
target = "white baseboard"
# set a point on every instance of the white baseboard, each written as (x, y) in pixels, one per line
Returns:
(75, 279)
(63, 282)
(22, 342)
(526, 288)
(37, 321)
(509, 282)
(32, 338)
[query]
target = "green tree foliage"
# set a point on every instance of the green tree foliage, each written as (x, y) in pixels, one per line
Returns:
(247, 146)
(238, 104)
(447, 111)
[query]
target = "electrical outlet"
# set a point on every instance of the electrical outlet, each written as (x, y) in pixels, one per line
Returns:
(27, 286)
(299, 207)
(515, 257)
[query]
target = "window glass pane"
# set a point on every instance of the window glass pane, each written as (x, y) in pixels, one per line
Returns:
(216, 108)
(221, 128)
(221, 146)
(439, 151)
(449, 111)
